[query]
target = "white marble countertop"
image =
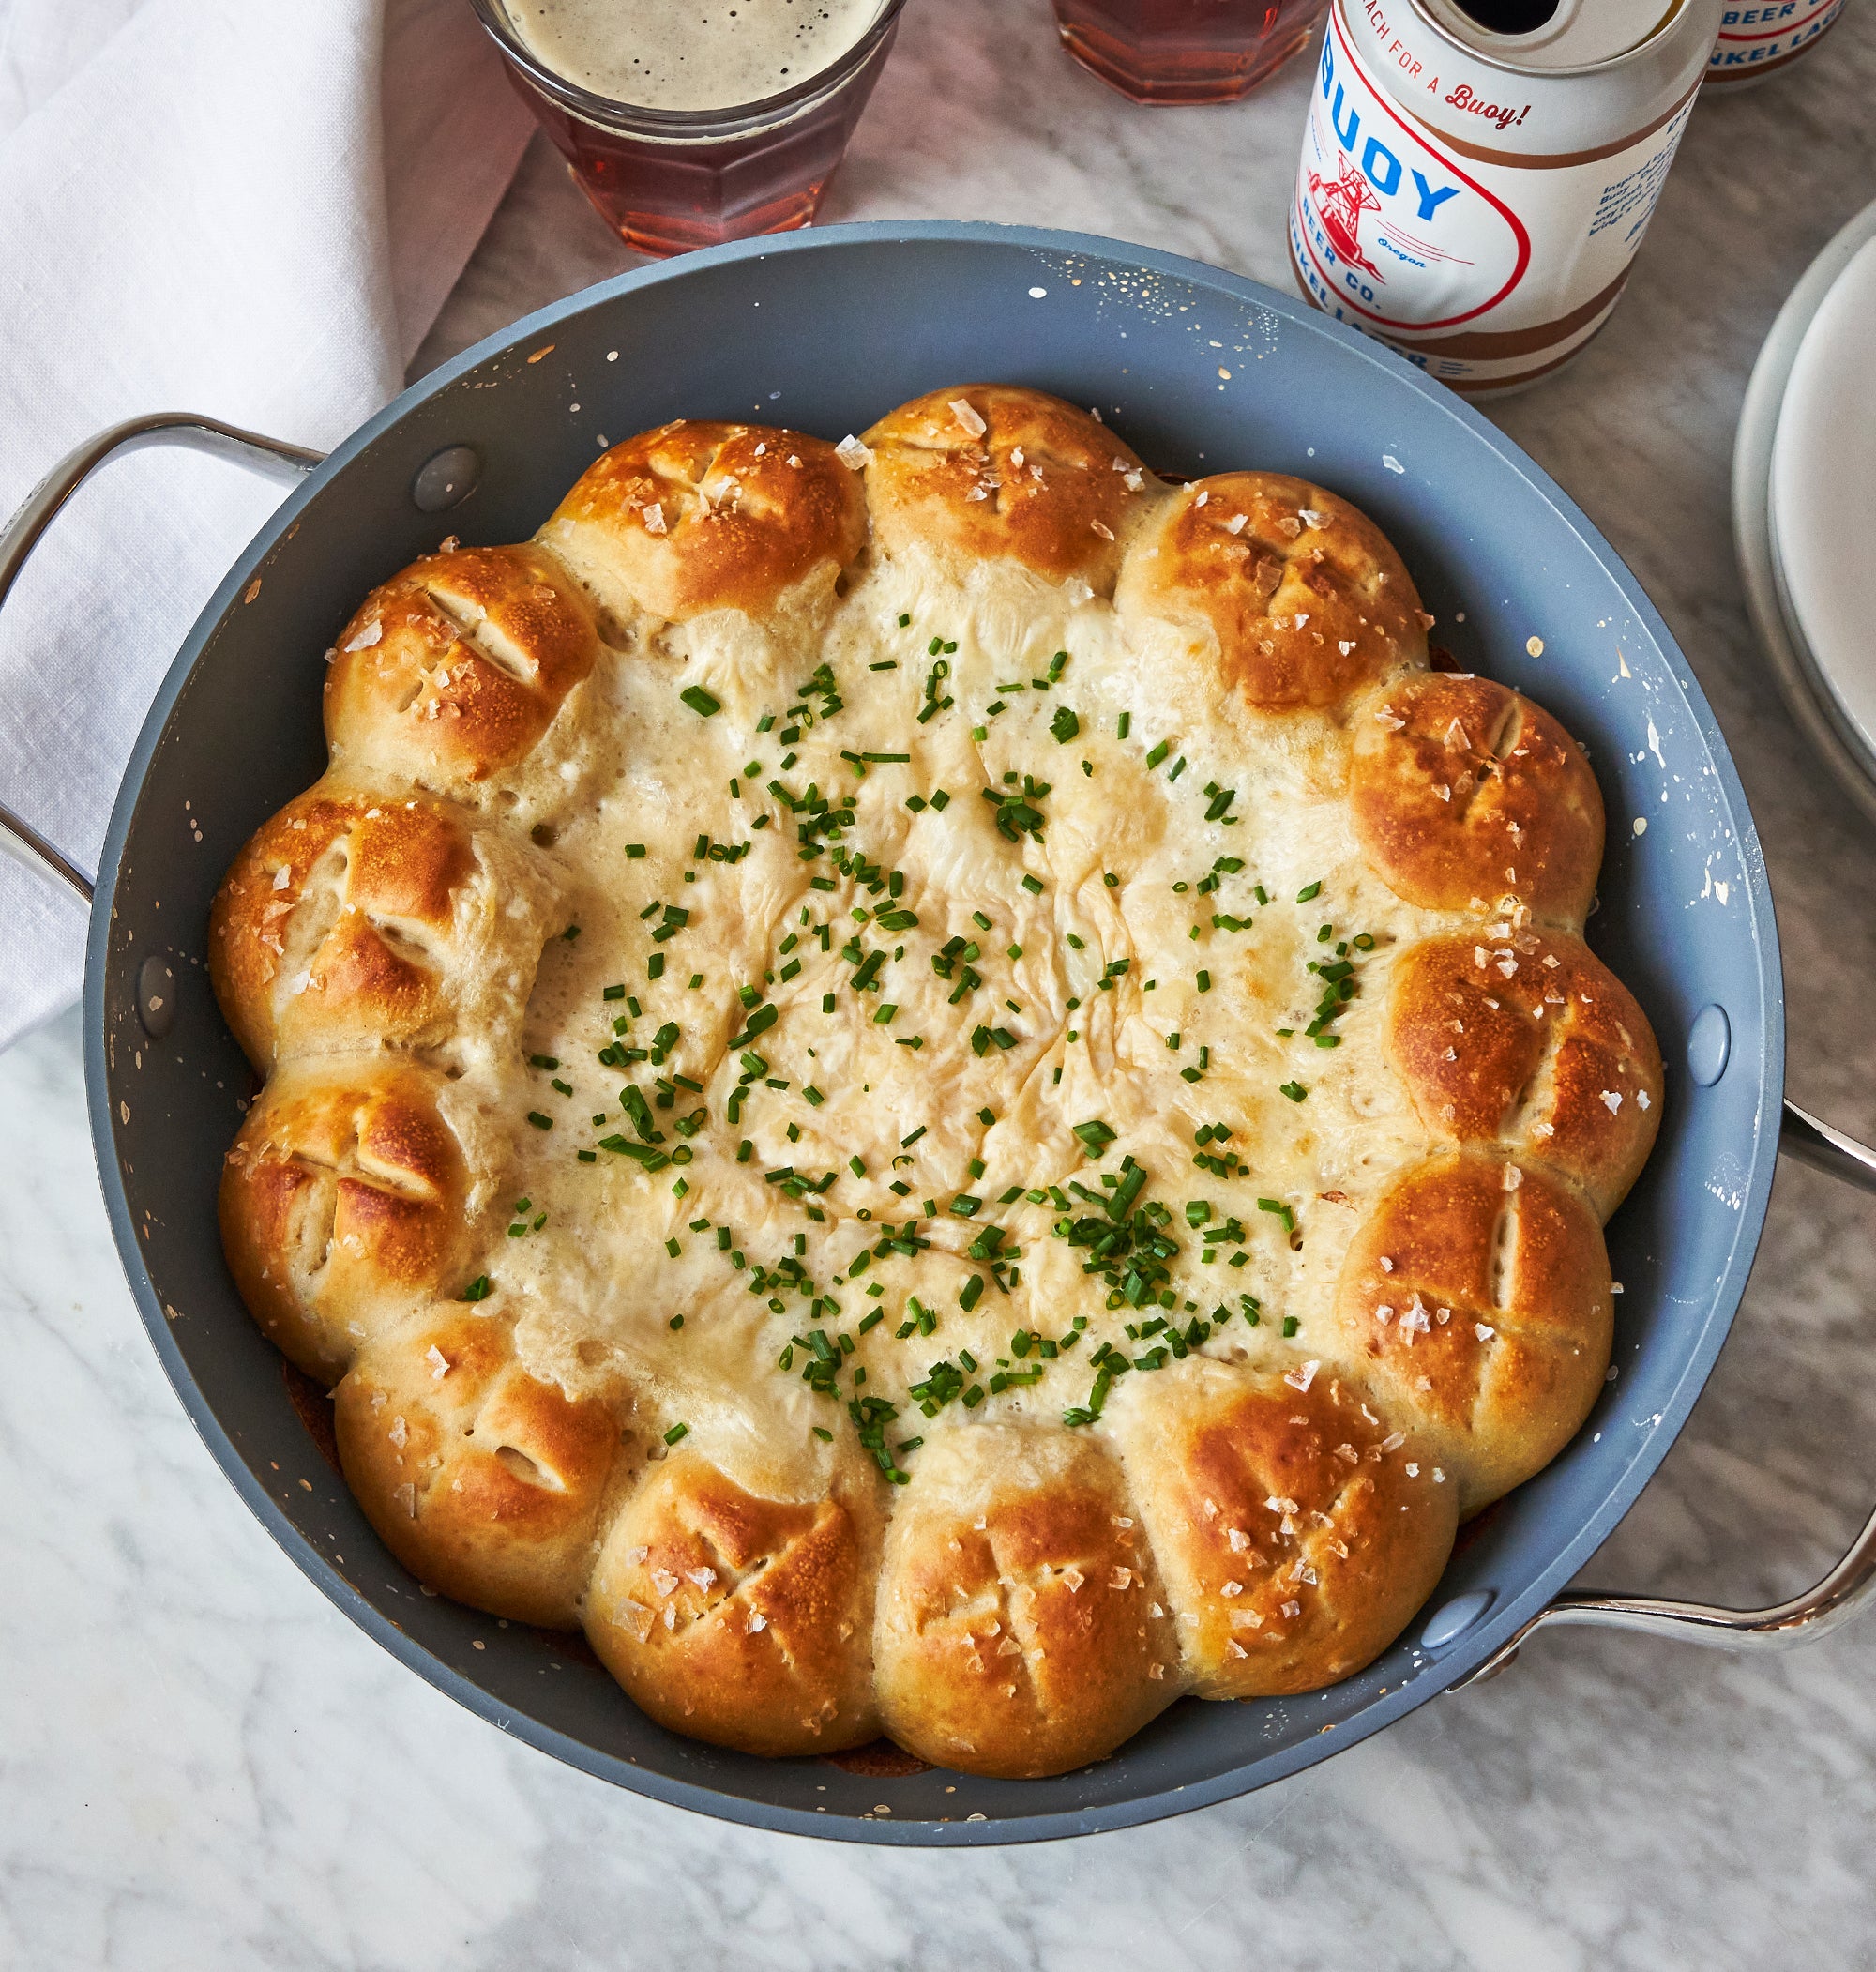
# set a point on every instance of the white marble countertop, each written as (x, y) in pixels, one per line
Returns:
(203, 1763)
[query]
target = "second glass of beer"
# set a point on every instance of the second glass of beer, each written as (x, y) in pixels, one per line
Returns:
(1185, 50)
(685, 129)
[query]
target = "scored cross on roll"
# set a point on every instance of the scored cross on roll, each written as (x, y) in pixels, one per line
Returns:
(936, 1085)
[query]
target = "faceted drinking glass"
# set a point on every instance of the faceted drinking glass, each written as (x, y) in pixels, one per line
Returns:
(669, 180)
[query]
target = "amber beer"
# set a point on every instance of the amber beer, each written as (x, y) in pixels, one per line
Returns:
(1477, 174)
(1186, 50)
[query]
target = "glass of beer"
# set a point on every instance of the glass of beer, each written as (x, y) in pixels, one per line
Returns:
(689, 122)
(1185, 50)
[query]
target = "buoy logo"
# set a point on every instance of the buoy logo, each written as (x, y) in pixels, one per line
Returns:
(1339, 204)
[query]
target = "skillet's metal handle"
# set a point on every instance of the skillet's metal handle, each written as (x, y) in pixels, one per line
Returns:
(17, 837)
(1819, 1609)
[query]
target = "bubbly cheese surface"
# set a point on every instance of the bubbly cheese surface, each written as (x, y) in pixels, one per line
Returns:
(949, 988)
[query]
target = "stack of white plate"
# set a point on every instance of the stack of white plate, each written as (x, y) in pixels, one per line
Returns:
(1803, 504)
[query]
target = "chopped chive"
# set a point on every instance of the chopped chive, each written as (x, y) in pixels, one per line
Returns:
(540, 1121)
(1160, 752)
(700, 701)
(676, 1433)
(1308, 891)
(479, 1289)
(1123, 725)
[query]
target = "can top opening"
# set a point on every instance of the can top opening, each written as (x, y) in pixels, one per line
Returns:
(1552, 34)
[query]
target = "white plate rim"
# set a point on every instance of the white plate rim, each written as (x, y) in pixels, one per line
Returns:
(1795, 670)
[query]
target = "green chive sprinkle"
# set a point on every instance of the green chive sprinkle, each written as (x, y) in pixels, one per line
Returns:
(700, 701)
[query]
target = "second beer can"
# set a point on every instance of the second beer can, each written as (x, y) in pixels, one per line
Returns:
(1477, 174)
(1758, 37)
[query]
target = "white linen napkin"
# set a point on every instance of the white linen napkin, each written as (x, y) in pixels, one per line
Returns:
(252, 208)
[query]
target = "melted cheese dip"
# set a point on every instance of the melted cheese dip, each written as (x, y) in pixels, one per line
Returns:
(901, 1042)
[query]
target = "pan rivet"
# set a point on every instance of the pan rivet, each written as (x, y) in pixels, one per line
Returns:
(445, 478)
(1451, 1621)
(155, 996)
(1709, 1044)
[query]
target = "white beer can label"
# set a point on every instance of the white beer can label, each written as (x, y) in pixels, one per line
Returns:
(1754, 39)
(1483, 266)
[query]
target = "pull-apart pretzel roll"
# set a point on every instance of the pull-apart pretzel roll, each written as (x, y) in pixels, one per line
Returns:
(1020, 1625)
(1297, 597)
(451, 674)
(741, 1612)
(485, 1481)
(352, 918)
(344, 1204)
(694, 516)
(988, 472)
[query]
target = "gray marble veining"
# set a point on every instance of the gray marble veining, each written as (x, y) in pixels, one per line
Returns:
(201, 1763)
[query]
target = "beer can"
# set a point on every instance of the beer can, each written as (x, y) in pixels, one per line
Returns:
(1474, 196)
(1758, 38)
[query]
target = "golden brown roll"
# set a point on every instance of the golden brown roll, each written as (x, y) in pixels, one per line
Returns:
(1021, 1630)
(486, 1482)
(1297, 1528)
(989, 472)
(354, 919)
(1298, 597)
(1532, 1040)
(737, 1616)
(696, 517)
(344, 1204)
(1474, 1300)
(453, 671)
(1464, 793)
